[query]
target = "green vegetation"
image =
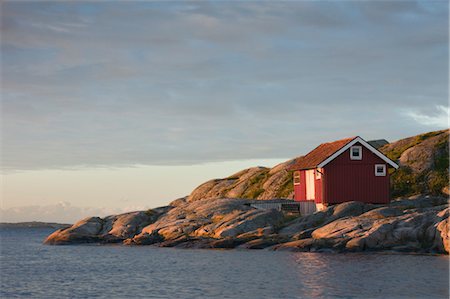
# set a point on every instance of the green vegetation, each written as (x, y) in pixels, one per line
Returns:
(396, 152)
(255, 183)
(287, 188)
(406, 182)
(436, 182)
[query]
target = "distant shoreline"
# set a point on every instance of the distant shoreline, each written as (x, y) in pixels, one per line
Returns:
(34, 224)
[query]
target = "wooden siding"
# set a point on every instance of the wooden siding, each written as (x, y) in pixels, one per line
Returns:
(282, 205)
(300, 190)
(318, 188)
(355, 180)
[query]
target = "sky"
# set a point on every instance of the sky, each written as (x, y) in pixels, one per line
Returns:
(113, 106)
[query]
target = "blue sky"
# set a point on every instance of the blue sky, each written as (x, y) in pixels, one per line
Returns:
(88, 86)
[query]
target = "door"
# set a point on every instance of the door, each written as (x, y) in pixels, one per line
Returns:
(310, 188)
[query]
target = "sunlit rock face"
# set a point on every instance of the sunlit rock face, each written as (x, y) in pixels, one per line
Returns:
(110, 229)
(419, 224)
(218, 218)
(252, 183)
(414, 225)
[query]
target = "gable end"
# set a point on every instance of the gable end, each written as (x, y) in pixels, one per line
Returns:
(366, 145)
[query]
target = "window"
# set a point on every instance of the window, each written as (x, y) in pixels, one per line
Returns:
(356, 152)
(297, 178)
(380, 169)
(318, 173)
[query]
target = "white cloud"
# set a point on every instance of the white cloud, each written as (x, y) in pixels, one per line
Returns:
(242, 80)
(438, 119)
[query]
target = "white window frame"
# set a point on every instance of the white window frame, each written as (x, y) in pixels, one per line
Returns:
(380, 173)
(295, 173)
(359, 157)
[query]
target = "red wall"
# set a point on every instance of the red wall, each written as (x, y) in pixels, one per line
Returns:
(318, 189)
(300, 190)
(348, 180)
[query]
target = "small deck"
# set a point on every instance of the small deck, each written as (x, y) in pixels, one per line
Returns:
(285, 205)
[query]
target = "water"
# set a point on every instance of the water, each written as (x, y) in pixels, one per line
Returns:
(32, 270)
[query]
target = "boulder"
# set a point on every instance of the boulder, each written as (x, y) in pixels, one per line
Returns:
(144, 239)
(214, 218)
(312, 244)
(84, 231)
(263, 242)
(111, 229)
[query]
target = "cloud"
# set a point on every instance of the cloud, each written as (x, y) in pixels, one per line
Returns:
(182, 83)
(439, 118)
(62, 212)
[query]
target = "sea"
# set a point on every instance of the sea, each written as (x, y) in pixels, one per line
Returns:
(30, 269)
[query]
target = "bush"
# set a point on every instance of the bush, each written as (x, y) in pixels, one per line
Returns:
(287, 187)
(404, 182)
(254, 188)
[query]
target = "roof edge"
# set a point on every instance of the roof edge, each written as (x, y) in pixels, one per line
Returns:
(366, 145)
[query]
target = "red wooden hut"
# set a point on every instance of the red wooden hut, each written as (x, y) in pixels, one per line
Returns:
(344, 170)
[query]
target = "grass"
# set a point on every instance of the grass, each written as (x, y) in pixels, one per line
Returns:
(406, 182)
(288, 186)
(397, 152)
(255, 183)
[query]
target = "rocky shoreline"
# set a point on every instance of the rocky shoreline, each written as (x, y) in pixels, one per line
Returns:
(217, 213)
(418, 224)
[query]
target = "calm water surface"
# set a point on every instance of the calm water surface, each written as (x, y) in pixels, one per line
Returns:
(32, 270)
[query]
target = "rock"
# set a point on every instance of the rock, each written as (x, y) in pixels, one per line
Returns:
(111, 229)
(257, 233)
(174, 242)
(263, 242)
(250, 221)
(84, 231)
(144, 239)
(230, 223)
(419, 157)
(443, 229)
(252, 183)
(383, 212)
(304, 234)
(228, 242)
(351, 208)
(299, 245)
(356, 244)
(307, 222)
(128, 224)
(196, 243)
(385, 229)
(419, 201)
(214, 218)
(342, 228)
(311, 244)
(423, 161)
(178, 202)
